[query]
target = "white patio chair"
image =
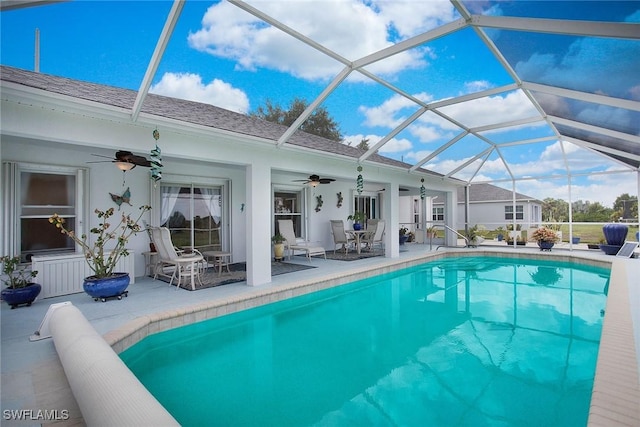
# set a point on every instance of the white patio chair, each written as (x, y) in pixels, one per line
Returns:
(292, 243)
(340, 237)
(377, 230)
(186, 264)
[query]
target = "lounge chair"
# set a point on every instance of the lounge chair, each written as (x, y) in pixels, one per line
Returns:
(292, 243)
(340, 236)
(186, 264)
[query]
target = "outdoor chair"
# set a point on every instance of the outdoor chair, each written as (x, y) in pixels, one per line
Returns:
(187, 265)
(340, 237)
(375, 237)
(292, 243)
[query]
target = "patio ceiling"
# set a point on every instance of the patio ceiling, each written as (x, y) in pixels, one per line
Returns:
(580, 114)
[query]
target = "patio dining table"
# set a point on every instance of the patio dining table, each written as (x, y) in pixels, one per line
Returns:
(358, 235)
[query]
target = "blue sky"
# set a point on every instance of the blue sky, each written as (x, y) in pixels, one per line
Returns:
(220, 55)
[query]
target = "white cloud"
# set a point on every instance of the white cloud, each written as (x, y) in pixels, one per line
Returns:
(477, 86)
(392, 112)
(190, 87)
(590, 64)
(492, 109)
(229, 32)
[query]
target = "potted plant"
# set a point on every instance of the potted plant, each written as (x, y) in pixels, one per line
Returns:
(500, 233)
(403, 235)
(545, 237)
(104, 253)
(20, 289)
(278, 246)
(358, 219)
(432, 232)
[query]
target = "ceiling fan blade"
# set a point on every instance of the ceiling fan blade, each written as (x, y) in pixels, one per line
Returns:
(326, 180)
(104, 157)
(140, 161)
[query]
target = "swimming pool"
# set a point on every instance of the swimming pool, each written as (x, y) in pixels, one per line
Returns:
(462, 341)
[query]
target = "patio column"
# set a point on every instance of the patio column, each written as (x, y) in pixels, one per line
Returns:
(258, 224)
(391, 207)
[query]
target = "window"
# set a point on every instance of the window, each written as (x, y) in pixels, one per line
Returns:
(40, 192)
(508, 212)
(194, 215)
(367, 204)
(437, 213)
(287, 204)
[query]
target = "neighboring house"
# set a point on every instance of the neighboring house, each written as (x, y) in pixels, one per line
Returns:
(226, 177)
(492, 207)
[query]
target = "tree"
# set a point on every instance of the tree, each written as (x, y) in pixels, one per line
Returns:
(363, 144)
(319, 123)
(625, 207)
(592, 212)
(555, 210)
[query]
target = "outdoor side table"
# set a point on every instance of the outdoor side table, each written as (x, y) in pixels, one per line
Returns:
(221, 259)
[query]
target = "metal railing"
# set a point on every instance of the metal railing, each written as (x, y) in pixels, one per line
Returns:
(446, 227)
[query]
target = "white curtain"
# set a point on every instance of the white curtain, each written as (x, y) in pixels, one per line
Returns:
(213, 202)
(169, 197)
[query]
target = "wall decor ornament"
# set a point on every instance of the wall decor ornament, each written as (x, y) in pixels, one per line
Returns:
(319, 203)
(156, 159)
(423, 191)
(125, 198)
(340, 199)
(359, 181)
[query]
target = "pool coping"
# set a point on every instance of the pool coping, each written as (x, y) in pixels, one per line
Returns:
(616, 390)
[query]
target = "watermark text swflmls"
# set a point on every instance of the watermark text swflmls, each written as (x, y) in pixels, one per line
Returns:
(35, 414)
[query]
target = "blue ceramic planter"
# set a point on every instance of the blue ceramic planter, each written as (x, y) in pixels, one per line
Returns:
(113, 286)
(21, 296)
(615, 233)
(545, 246)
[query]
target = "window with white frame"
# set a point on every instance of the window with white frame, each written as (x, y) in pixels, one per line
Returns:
(368, 204)
(437, 213)
(288, 204)
(508, 212)
(41, 191)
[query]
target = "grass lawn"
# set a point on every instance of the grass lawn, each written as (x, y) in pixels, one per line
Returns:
(588, 233)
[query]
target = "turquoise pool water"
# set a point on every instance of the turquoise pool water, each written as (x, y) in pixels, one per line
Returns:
(456, 342)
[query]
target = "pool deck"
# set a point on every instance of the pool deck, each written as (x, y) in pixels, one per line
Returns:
(33, 379)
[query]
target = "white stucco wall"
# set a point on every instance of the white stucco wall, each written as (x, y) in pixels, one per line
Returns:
(68, 132)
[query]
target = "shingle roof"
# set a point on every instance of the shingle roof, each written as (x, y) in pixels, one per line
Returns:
(186, 111)
(491, 193)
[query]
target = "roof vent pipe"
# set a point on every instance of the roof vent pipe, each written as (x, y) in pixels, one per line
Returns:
(36, 65)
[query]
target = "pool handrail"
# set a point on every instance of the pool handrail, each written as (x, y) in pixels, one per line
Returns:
(446, 227)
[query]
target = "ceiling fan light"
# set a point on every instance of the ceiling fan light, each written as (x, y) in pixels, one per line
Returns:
(314, 183)
(124, 166)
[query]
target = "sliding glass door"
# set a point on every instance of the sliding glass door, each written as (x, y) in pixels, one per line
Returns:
(194, 215)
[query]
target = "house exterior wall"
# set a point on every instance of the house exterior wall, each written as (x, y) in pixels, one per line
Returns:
(491, 215)
(68, 132)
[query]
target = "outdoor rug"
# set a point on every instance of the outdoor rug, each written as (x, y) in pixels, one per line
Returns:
(351, 255)
(238, 273)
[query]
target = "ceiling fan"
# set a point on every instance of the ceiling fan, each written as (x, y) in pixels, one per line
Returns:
(126, 160)
(314, 180)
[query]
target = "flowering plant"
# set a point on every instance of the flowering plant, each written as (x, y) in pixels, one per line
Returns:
(94, 253)
(16, 276)
(544, 234)
(403, 231)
